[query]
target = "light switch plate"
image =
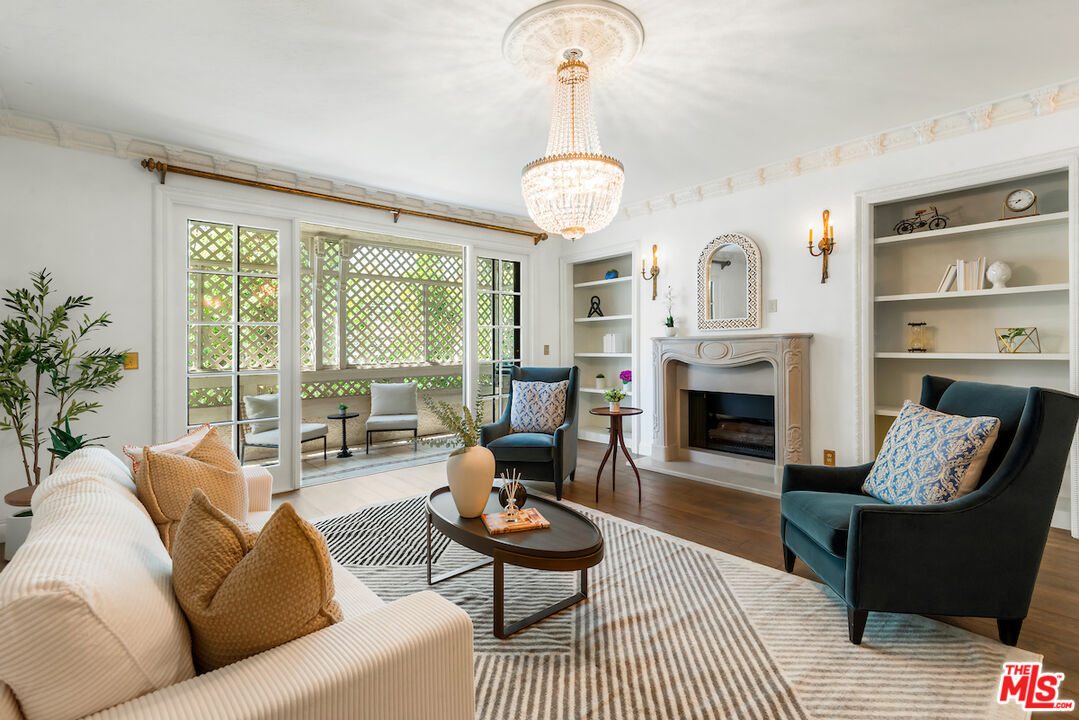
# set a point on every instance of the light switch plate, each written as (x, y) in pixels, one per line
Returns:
(546, 349)
(773, 305)
(829, 457)
(131, 361)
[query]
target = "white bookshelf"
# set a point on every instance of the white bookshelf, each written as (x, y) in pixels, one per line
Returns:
(900, 274)
(583, 278)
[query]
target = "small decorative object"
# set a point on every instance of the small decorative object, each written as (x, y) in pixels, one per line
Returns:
(999, 273)
(610, 275)
(1018, 340)
(824, 247)
(626, 377)
(343, 408)
(669, 322)
(1018, 201)
(511, 487)
(922, 219)
(614, 398)
(527, 519)
(917, 337)
(519, 494)
(611, 342)
(594, 309)
(470, 469)
(601, 381)
(654, 270)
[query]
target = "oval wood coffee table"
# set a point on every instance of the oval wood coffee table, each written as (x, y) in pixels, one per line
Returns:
(572, 543)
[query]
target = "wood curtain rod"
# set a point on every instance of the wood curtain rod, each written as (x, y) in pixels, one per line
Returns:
(163, 168)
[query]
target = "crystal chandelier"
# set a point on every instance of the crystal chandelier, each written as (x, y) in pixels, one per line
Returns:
(574, 188)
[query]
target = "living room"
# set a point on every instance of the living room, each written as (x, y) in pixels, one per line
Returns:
(340, 275)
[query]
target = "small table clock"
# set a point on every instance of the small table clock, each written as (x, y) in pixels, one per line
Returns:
(1017, 201)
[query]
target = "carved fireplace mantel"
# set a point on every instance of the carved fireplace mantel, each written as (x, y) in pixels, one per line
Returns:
(788, 354)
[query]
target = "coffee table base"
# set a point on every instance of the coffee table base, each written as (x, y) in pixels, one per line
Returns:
(500, 629)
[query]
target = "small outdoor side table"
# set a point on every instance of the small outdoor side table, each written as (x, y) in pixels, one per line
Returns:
(344, 418)
(616, 439)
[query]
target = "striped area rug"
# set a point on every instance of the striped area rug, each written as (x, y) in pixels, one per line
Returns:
(672, 630)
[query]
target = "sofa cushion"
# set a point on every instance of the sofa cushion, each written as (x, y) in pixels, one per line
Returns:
(523, 447)
(393, 398)
(537, 407)
(262, 406)
(165, 482)
(823, 516)
(90, 595)
(931, 457)
(245, 592)
(272, 438)
(393, 422)
(180, 446)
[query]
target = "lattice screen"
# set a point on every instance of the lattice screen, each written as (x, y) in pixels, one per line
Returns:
(210, 246)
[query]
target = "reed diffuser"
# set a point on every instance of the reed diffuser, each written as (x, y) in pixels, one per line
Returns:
(512, 485)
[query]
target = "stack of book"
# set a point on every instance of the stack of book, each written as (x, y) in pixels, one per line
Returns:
(527, 519)
(964, 274)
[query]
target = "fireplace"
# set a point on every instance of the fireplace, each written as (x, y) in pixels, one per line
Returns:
(736, 423)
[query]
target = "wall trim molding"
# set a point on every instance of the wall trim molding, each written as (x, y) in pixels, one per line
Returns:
(1028, 105)
(79, 137)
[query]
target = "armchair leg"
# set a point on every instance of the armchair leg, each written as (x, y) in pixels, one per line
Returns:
(243, 451)
(856, 624)
(558, 489)
(415, 439)
(573, 476)
(367, 450)
(1008, 630)
(323, 448)
(788, 559)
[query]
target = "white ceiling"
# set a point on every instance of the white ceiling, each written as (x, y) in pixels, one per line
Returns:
(415, 96)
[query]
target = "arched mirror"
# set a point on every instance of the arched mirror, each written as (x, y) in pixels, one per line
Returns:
(729, 284)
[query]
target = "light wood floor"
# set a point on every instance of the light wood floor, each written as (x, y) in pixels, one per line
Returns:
(736, 522)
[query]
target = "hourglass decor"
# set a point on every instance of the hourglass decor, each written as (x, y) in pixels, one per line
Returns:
(917, 337)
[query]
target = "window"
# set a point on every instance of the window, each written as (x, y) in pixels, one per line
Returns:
(232, 321)
(498, 346)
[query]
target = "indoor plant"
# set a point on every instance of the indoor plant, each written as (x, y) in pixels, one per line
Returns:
(470, 468)
(43, 371)
(669, 322)
(614, 398)
(601, 381)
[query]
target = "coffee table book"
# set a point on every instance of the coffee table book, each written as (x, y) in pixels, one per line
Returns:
(528, 519)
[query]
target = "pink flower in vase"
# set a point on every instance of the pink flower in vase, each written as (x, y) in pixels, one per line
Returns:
(625, 376)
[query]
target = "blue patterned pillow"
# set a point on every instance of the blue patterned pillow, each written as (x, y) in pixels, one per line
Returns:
(538, 407)
(930, 457)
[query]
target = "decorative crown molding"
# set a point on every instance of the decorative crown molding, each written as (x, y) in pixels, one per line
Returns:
(77, 137)
(1024, 106)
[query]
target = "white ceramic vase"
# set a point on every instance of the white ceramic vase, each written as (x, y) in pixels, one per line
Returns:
(470, 473)
(670, 331)
(615, 407)
(999, 273)
(16, 528)
(601, 383)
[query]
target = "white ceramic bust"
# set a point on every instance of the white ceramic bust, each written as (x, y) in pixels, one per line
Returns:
(999, 273)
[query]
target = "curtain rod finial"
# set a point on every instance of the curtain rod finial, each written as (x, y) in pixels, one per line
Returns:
(156, 166)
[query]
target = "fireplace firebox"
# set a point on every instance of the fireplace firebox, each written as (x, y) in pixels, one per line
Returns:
(737, 423)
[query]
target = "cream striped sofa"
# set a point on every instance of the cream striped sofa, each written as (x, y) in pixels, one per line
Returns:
(89, 627)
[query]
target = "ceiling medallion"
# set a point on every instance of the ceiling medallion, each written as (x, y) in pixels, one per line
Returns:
(574, 188)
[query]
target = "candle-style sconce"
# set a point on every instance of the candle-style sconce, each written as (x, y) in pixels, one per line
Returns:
(654, 270)
(824, 247)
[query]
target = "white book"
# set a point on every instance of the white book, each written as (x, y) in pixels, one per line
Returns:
(960, 275)
(947, 280)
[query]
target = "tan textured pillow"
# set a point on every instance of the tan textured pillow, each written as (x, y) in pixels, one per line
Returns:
(243, 593)
(165, 481)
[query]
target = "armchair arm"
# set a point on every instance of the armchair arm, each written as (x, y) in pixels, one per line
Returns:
(496, 429)
(825, 478)
(411, 659)
(259, 486)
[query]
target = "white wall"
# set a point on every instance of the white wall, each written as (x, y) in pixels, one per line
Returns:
(89, 219)
(778, 217)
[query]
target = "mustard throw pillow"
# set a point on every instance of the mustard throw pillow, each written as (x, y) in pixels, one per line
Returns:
(244, 594)
(165, 481)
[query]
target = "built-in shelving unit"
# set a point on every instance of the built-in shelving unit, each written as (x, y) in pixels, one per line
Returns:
(583, 280)
(904, 272)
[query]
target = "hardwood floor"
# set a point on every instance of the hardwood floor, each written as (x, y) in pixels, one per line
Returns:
(738, 523)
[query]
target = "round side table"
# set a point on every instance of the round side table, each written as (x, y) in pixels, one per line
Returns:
(344, 418)
(616, 439)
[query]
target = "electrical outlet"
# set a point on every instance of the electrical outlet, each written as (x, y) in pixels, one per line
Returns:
(773, 305)
(829, 457)
(131, 361)
(546, 349)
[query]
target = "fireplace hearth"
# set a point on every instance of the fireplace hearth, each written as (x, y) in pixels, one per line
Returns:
(737, 423)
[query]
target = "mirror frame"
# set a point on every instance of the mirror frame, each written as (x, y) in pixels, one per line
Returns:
(753, 285)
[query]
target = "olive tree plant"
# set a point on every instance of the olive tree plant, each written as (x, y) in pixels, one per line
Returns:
(43, 366)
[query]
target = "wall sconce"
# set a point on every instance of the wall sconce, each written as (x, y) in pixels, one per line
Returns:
(654, 271)
(824, 247)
